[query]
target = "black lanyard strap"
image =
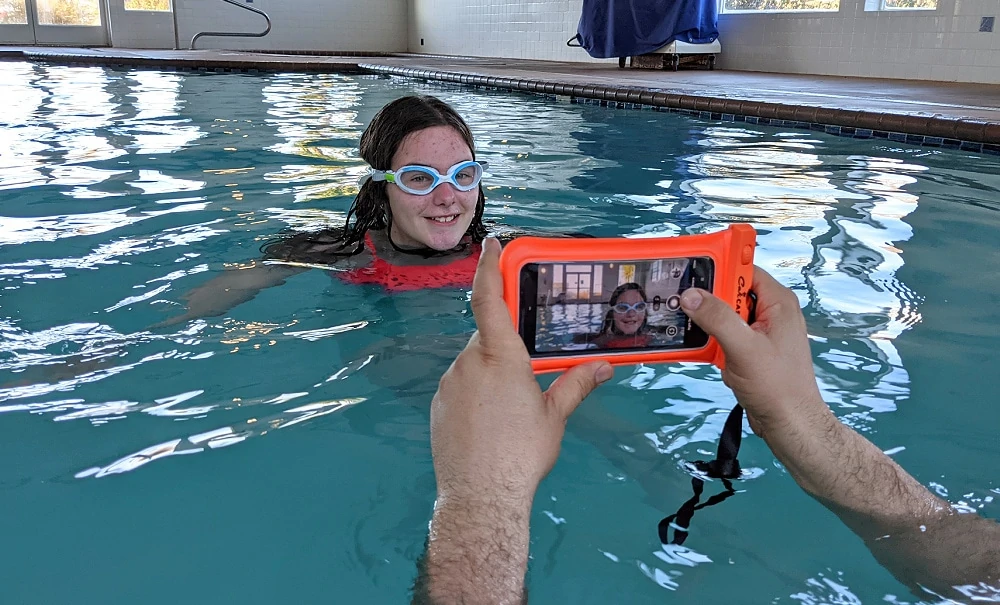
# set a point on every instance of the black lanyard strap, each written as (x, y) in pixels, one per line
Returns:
(724, 467)
(681, 520)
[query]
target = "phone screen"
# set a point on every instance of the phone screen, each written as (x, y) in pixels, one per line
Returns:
(610, 306)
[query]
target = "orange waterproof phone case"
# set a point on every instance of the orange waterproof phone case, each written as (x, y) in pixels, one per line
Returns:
(618, 299)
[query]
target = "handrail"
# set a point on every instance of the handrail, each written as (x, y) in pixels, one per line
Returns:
(237, 34)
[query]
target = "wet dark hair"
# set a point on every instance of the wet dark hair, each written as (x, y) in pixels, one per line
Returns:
(370, 209)
(609, 327)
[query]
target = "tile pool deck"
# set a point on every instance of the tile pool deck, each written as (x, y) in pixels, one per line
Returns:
(935, 114)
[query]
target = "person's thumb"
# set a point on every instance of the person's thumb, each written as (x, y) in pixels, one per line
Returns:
(575, 384)
(718, 319)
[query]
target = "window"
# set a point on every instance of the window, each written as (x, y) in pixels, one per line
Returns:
(626, 273)
(147, 5)
(69, 12)
(888, 5)
(578, 281)
(900, 5)
(786, 6)
(12, 12)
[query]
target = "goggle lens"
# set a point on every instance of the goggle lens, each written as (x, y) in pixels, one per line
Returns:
(421, 180)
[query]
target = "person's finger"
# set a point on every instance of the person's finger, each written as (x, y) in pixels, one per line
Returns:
(719, 320)
(492, 317)
(575, 384)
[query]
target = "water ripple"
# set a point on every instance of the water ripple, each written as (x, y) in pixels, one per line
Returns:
(222, 437)
(124, 189)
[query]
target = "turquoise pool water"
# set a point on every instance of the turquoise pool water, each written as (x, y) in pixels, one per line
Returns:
(279, 454)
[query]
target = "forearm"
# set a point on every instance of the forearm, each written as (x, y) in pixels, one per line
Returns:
(229, 289)
(236, 286)
(917, 536)
(838, 466)
(477, 552)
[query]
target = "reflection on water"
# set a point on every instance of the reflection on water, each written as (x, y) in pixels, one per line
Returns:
(839, 236)
(122, 189)
(215, 439)
(316, 118)
(558, 324)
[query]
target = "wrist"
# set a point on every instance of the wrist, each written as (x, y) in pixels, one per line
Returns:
(477, 549)
(778, 419)
(510, 500)
(506, 486)
(811, 444)
(792, 426)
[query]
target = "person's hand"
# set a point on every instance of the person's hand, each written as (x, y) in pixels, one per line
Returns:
(769, 364)
(494, 433)
(494, 436)
(916, 535)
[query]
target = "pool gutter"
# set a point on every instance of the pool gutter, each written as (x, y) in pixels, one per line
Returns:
(932, 131)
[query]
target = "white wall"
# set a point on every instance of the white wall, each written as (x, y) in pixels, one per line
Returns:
(518, 29)
(945, 44)
(318, 25)
(140, 29)
(937, 45)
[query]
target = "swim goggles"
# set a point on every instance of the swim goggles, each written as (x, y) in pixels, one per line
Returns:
(421, 180)
(623, 308)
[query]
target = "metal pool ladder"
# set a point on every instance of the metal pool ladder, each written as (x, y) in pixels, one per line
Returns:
(266, 31)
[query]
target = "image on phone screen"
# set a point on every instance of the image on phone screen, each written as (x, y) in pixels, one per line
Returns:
(613, 306)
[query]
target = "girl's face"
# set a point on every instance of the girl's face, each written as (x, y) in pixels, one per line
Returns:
(630, 321)
(439, 219)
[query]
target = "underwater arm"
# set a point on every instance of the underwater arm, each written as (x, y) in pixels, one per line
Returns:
(229, 289)
(917, 536)
(914, 534)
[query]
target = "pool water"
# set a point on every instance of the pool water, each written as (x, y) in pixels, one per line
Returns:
(279, 453)
(558, 324)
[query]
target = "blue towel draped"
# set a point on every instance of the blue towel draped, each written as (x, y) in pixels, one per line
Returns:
(626, 28)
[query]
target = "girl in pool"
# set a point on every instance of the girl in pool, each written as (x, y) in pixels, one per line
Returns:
(416, 222)
(626, 323)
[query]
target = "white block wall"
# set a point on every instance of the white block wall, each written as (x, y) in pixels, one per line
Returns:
(944, 45)
(140, 29)
(932, 45)
(323, 25)
(331, 25)
(519, 29)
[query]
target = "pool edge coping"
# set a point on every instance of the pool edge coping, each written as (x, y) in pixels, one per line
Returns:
(940, 132)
